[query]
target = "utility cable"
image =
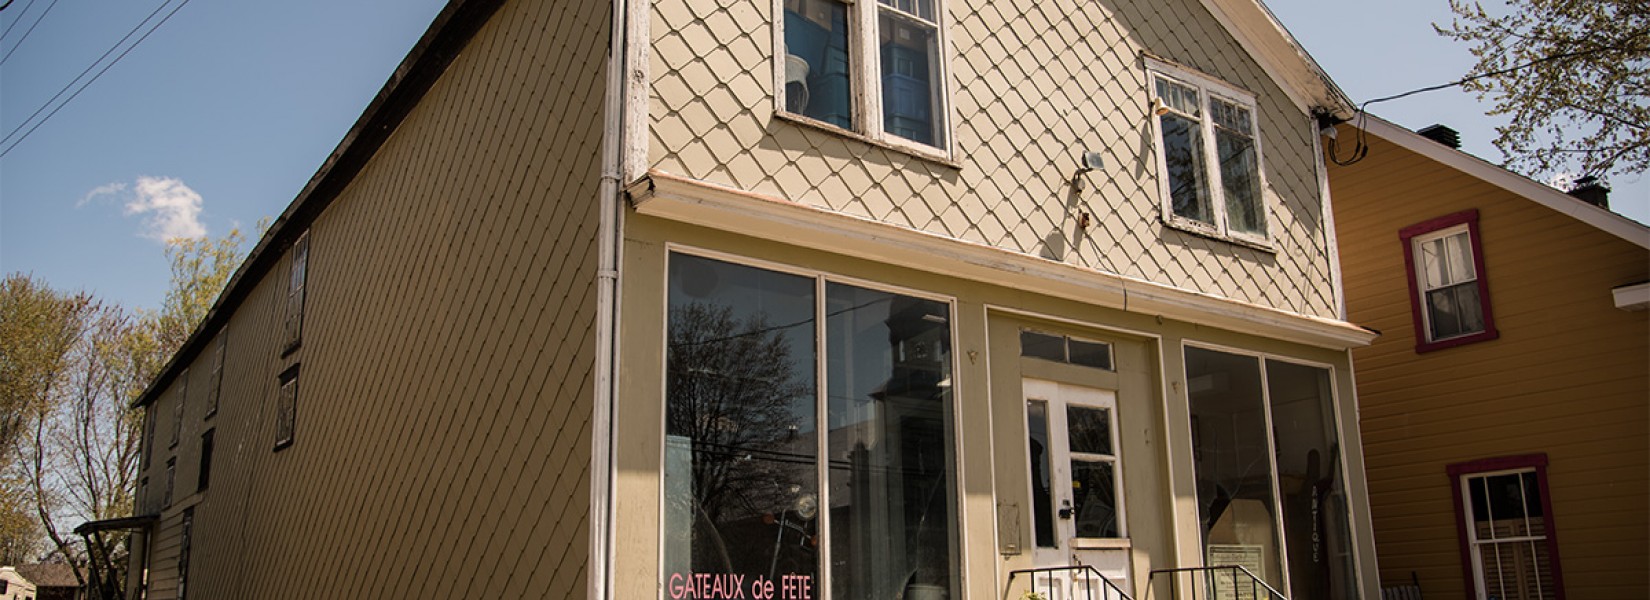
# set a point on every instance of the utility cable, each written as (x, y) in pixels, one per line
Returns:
(82, 88)
(19, 19)
(1361, 148)
(26, 32)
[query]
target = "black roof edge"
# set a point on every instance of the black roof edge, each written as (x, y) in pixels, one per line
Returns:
(137, 522)
(451, 30)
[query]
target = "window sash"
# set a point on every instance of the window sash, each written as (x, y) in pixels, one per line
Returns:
(1486, 552)
(1447, 279)
(1215, 179)
(923, 126)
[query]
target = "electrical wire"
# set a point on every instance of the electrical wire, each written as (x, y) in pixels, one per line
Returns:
(20, 14)
(26, 32)
(1361, 148)
(82, 88)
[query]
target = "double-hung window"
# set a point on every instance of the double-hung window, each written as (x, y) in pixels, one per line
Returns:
(1208, 155)
(808, 437)
(1508, 544)
(899, 97)
(1449, 296)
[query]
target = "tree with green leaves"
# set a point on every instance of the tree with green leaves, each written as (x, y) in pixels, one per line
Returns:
(70, 370)
(1573, 76)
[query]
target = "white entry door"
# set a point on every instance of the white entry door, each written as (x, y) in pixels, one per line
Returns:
(1076, 489)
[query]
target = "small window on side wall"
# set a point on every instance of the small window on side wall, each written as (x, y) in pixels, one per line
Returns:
(215, 386)
(286, 408)
(298, 275)
(1449, 295)
(1208, 155)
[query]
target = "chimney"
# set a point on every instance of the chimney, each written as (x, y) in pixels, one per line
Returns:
(1443, 135)
(1592, 191)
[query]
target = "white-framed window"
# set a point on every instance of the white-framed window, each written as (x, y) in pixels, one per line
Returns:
(1208, 155)
(876, 68)
(1449, 295)
(1076, 477)
(1508, 541)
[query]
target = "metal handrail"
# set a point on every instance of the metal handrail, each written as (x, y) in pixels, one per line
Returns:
(1256, 584)
(1107, 592)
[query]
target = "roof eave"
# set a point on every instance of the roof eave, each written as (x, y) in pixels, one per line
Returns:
(441, 43)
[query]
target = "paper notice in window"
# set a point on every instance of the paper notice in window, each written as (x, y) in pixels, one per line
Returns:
(1230, 584)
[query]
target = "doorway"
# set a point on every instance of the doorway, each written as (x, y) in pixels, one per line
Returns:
(1078, 515)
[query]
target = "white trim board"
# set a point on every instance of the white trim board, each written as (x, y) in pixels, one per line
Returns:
(1542, 194)
(673, 197)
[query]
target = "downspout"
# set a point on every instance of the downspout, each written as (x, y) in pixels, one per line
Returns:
(602, 465)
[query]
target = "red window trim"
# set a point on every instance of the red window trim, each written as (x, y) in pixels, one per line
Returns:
(1536, 461)
(1470, 218)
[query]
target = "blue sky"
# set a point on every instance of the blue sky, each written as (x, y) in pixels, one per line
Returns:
(221, 116)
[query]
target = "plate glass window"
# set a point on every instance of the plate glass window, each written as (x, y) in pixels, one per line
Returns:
(746, 415)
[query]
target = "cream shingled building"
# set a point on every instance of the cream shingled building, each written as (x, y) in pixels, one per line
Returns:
(790, 299)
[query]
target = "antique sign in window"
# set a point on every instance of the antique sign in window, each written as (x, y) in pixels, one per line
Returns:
(808, 438)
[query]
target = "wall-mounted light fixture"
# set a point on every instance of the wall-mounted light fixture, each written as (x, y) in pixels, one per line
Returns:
(1090, 162)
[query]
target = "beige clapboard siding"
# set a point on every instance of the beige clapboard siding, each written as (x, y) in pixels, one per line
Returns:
(1567, 377)
(442, 436)
(1033, 85)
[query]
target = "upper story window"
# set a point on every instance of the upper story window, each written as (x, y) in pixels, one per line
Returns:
(1208, 155)
(177, 409)
(286, 408)
(298, 274)
(900, 98)
(216, 386)
(1449, 296)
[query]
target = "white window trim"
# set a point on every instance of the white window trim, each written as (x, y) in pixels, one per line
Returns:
(1208, 88)
(1421, 289)
(1475, 546)
(867, 92)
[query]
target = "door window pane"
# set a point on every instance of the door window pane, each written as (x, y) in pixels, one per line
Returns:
(1042, 495)
(1315, 526)
(890, 460)
(741, 495)
(1231, 455)
(1089, 429)
(1094, 498)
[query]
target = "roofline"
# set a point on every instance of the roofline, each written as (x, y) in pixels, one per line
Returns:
(447, 35)
(1545, 195)
(1290, 66)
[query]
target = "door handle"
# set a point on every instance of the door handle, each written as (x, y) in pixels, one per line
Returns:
(1065, 509)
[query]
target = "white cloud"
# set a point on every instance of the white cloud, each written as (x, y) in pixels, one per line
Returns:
(107, 189)
(171, 210)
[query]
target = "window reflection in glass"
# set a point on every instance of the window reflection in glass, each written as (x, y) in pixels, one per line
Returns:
(1183, 150)
(890, 438)
(817, 81)
(1315, 525)
(1234, 470)
(1042, 495)
(911, 82)
(741, 495)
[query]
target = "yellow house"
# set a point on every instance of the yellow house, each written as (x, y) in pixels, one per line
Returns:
(1504, 405)
(926, 299)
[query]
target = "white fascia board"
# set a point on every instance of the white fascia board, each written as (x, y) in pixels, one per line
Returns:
(1283, 58)
(1632, 297)
(676, 198)
(1539, 193)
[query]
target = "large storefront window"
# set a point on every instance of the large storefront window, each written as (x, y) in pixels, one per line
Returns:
(743, 505)
(1249, 485)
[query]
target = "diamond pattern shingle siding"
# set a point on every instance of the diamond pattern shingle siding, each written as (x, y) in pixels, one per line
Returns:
(1034, 84)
